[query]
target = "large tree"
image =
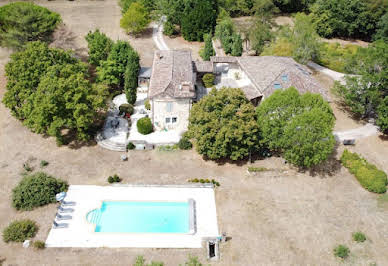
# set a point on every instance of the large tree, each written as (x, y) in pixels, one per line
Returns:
(223, 124)
(99, 47)
(131, 77)
(112, 71)
(208, 50)
(199, 17)
(23, 22)
(297, 126)
(136, 19)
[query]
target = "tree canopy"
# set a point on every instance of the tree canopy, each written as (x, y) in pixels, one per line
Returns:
(99, 47)
(136, 19)
(298, 126)
(223, 124)
(48, 89)
(23, 22)
(208, 50)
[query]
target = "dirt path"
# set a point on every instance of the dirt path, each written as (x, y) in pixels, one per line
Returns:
(357, 133)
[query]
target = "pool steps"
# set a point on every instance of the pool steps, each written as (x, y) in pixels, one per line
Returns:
(94, 216)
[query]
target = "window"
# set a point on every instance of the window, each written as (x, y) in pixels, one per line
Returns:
(171, 120)
(169, 107)
(277, 86)
(174, 120)
(168, 120)
(285, 77)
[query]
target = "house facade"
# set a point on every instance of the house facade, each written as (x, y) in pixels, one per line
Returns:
(175, 83)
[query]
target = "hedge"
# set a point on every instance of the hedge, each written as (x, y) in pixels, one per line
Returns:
(185, 144)
(144, 125)
(126, 108)
(37, 190)
(208, 80)
(18, 231)
(371, 178)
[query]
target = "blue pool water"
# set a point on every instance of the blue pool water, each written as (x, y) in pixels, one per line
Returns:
(141, 217)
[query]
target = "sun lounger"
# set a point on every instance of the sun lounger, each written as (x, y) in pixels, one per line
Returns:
(61, 225)
(63, 217)
(65, 210)
(67, 203)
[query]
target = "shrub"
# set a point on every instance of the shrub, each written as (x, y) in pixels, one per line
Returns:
(19, 231)
(39, 244)
(184, 143)
(341, 251)
(208, 80)
(147, 104)
(114, 179)
(99, 46)
(25, 22)
(111, 180)
(37, 190)
(131, 146)
(126, 108)
(257, 169)
(167, 147)
(144, 125)
(43, 163)
(359, 237)
(371, 178)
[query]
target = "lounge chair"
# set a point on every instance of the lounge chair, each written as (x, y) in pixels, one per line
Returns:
(61, 225)
(65, 210)
(63, 217)
(67, 203)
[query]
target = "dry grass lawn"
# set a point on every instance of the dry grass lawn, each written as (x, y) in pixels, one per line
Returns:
(277, 217)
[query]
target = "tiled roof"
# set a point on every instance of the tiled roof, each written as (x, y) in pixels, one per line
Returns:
(203, 66)
(172, 74)
(223, 59)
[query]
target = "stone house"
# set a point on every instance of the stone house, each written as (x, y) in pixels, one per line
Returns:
(175, 83)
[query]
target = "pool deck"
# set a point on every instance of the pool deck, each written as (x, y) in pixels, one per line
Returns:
(80, 233)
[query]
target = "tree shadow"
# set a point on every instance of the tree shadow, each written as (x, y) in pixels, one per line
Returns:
(383, 137)
(147, 33)
(328, 168)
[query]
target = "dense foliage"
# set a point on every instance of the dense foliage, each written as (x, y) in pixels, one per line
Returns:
(48, 89)
(223, 124)
(36, 190)
(126, 109)
(144, 126)
(382, 29)
(371, 178)
(208, 80)
(199, 18)
(136, 19)
(230, 40)
(99, 47)
(131, 77)
(366, 94)
(184, 143)
(298, 126)
(19, 231)
(344, 18)
(23, 22)
(208, 50)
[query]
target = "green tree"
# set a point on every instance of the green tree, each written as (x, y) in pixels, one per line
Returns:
(382, 29)
(224, 31)
(308, 139)
(304, 39)
(19, 231)
(199, 17)
(291, 6)
(24, 72)
(168, 28)
(99, 47)
(112, 71)
(382, 115)
(237, 47)
(208, 50)
(135, 19)
(23, 22)
(344, 18)
(131, 77)
(260, 34)
(223, 124)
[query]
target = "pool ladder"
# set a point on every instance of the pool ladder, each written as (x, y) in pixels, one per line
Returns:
(94, 216)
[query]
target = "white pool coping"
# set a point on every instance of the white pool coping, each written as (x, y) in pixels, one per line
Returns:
(80, 233)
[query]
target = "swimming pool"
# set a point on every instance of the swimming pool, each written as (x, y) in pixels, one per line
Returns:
(144, 217)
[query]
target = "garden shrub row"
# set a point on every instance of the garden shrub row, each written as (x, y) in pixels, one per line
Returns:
(371, 178)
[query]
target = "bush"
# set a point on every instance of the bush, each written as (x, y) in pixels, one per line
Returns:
(336, 56)
(114, 179)
(126, 108)
(185, 144)
(359, 237)
(43, 163)
(371, 178)
(39, 244)
(208, 80)
(99, 46)
(37, 190)
(131, 146)
(257, 169)
(25, 22)
(19, 231)
(110, 180)
(341, 251)
(144, 125)
(147, 104)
